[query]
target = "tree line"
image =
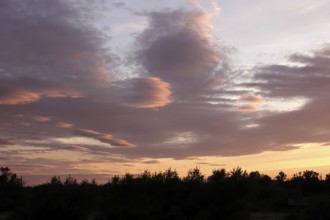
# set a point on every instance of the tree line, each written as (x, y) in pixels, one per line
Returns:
(234, 194)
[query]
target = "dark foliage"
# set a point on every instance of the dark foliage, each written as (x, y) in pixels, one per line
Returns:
(11, 189)
(164, 195)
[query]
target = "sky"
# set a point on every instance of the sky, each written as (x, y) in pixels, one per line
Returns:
(96, 88)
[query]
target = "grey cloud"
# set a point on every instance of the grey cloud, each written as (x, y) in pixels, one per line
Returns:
(48, 44)
(309, 79)
(211, 164)
(119, 4)
(176, 47)
(148, 129)
(150, 162)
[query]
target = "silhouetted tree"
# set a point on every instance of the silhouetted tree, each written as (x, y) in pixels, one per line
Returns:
(145, 176)
(194, 175)
(11, 189)
(56, 180)
(281, 177)
(255, 175)
(69, 181)
(115, 179)
(171, 176)
(217, 176)
(327, 177)
(8, 178)
(310, 175)
(237, 174)
(127, 179)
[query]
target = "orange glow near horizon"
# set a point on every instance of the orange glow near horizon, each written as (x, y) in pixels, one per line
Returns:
(306, 157)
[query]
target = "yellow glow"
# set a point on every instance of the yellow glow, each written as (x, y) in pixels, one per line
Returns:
(308, 156)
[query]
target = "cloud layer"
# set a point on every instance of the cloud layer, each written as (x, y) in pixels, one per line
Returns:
(59, 81)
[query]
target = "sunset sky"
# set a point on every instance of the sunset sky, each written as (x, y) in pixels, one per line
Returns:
(96, 88)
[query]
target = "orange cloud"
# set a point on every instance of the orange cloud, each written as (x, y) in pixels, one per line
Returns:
(64, 125)
(18, 96)
(249, 108)
(253, 99)
(150, 92)
(252, 103)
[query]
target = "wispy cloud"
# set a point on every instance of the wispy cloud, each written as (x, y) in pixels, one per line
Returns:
(106, 138)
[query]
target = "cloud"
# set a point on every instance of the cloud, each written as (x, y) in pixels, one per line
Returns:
(24, 123)
(150, 92)
(253, 99)
(177, 47)
(182, 99)
(150, 162)
(105, 138)
(64, 125)
(48, 51)
(157, 106)
(306, 77)
(47, 40)
(251, 103)
(119, 4)
(32, 118)
(40, 118)
(164, 102)
(20, 96)
(172, 108)
(4, 125)
(211, 164)
(249, 108)
(4, 141)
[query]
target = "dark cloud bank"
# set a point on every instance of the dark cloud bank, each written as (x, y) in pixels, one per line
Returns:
(57, 79)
